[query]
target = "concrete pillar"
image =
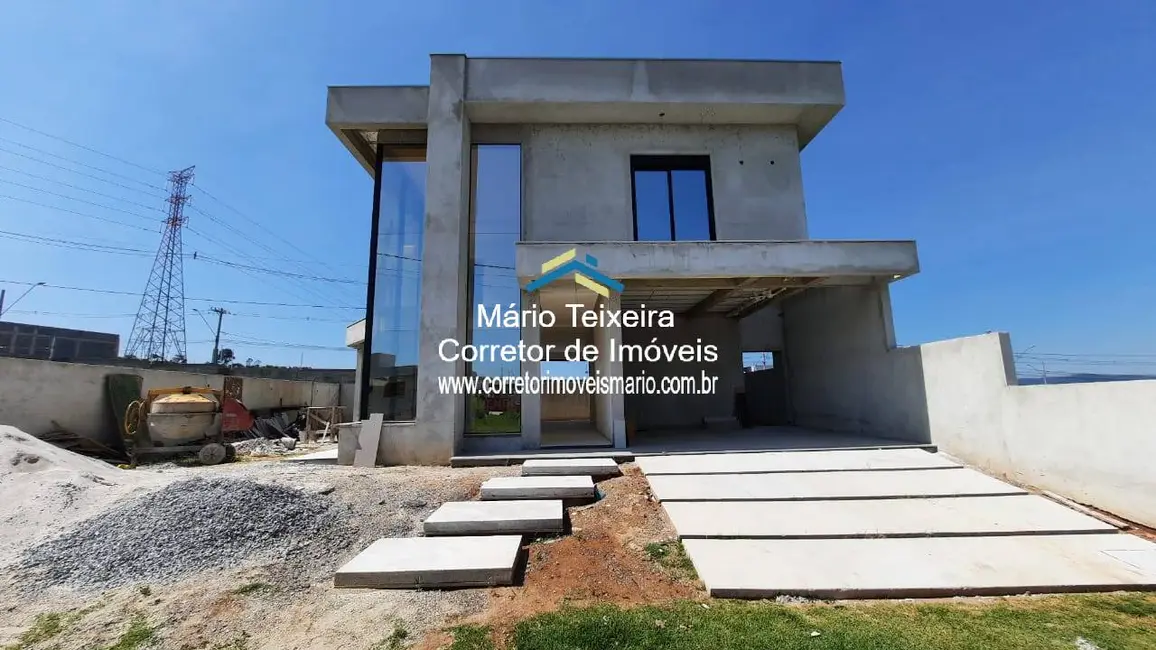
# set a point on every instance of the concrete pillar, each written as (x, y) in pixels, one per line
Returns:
(353, 411)
(531, 402)
(610, 410)
(445, 261)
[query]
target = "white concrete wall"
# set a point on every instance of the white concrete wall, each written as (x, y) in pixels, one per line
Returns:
(36, 393)
(1091, 442)
(577, 184)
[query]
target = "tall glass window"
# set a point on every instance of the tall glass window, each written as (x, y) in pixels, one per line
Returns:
(495, 227)
(392, 371)
(672, 198)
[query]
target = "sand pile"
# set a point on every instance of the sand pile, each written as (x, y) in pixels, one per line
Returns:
(47, 488)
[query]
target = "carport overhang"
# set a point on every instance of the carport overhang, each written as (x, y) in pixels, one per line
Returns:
(733, 279)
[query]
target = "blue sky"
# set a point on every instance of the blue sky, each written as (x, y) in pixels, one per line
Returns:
(1014, 141)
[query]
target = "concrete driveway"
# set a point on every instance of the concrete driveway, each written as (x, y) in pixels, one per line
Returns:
(882, 523)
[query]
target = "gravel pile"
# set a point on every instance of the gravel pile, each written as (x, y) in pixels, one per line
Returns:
(187, 527)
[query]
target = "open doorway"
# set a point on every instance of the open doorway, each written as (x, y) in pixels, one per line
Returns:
(569, 419)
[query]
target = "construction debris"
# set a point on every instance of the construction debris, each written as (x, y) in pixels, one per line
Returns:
(184, 528)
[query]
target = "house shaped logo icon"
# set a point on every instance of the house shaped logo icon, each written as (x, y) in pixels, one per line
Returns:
(585, 273)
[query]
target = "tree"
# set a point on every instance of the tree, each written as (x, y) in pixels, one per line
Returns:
(225, 356)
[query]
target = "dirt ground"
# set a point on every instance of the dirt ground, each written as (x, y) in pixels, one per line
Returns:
(603, 560)
(293, 605)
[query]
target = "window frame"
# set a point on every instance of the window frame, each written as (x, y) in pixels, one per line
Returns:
(672, 163)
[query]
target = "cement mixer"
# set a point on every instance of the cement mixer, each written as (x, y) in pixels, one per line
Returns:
(177, 420)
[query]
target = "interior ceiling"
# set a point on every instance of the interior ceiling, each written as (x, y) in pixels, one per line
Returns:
(731, 297)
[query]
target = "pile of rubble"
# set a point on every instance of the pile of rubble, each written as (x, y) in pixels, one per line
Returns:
(255, 447)
(186, 527)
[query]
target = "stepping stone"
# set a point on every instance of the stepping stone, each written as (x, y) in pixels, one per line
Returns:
(570, 467)
(1018, 514)
(495, 517)
(433, 562)
(928, 567)
(804, 486)
(850, 460)
(538, 487)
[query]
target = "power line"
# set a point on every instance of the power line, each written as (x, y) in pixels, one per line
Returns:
(259, 225)
(90, 149)
(77, 187)
(71, 160)
(76, 171)
(230, 302)
(80, 214)
(262, 278)
(73, 198)
(260, 269)
(73, 245)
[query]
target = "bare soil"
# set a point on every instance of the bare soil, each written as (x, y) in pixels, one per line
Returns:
(292, 605)
(602, 561)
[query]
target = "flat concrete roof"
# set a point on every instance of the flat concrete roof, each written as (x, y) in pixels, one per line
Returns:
(806, 94)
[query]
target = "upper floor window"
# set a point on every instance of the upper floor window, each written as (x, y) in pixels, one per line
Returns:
(672, 198)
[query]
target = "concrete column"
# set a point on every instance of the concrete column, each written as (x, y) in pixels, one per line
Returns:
(445, 261)
(354, 409)
(531, 403)
(611, 408)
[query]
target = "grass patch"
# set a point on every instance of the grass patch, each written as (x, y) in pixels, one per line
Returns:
(140, 634)
(1116, 622)
(44, 627)
(671, 555)
(253, 588)
(395, 641)
(471, 637)
(504, 422)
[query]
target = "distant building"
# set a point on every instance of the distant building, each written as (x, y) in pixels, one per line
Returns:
(56, 343)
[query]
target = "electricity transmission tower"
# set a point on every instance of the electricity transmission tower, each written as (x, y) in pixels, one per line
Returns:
(158, 334)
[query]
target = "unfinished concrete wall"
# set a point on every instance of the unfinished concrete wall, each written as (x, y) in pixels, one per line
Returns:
(566, 407)
(686, 411)
(1090, 442)
(762, 331)
(578, 185)
(843, 372)
(39, 396)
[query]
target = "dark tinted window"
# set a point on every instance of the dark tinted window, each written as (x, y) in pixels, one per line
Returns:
(672, 198)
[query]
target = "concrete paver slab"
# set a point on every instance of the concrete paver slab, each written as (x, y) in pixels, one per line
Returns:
(794, 461)
(920, 567)
(538, 487)
(827, 485)
(433, 562)
(495, 517)
(987, 515)
(570, 467)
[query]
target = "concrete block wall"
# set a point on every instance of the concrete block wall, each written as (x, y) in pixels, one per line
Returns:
(34, 394)
(1090, 442)
(578, 184)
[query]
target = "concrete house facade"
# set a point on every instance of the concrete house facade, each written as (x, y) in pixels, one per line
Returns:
(681, 180)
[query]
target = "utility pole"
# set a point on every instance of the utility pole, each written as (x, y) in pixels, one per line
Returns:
(217, 339)
(1, 302)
